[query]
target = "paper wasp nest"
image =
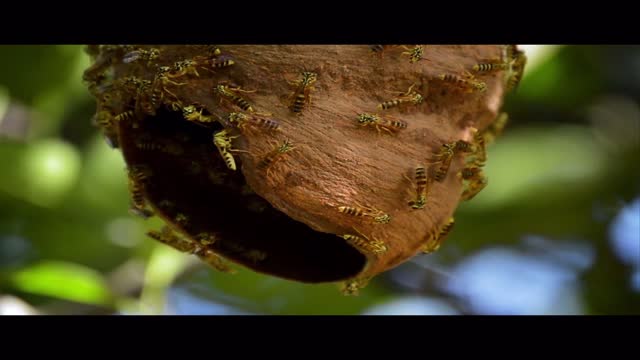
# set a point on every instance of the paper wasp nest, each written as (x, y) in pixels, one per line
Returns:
(311, 163)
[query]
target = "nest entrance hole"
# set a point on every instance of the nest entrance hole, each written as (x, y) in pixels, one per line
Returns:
(191, 188)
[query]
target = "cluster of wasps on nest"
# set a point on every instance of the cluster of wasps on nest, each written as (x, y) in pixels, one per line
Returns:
(423, 177)
(133, 97)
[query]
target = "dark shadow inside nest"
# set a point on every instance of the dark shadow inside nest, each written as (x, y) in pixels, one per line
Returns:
(192, 189)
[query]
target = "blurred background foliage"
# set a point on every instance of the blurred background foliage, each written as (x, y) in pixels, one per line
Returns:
(557, 231)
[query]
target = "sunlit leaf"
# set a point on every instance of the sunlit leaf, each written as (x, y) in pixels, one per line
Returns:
(51, 168)
(537, 55)
(528, 158)
(29, 71)
(164, 265)
(63, 280)
(47, 78)
(103, 181)
(568, 79)
(4, 101)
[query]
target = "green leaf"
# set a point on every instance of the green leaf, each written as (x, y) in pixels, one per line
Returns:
(165, 264)
(561, 155)
(31, 70)
(569, 79)
(64, 281)
(45, 78)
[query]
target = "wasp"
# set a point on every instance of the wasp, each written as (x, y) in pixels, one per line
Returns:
(222, 141)
(108, 100)
(228, 92)
(422, 186)
(206, 239)
(147, 96)
(470, 172)
(125, 116)
(254, 255)
(517, 70)
(214, 62)
(166, 204)
(141, 55)
(109, 95)
(376, 48)
(496, 128)
(508, 52)
(241, 121)
(364, 244)
(228, 159)
(147, 105)
(168, 237)
(366, 119)
(353, 211)
(214, 260)
(140, 173)
(352, 287)
(167, 148)
(191, 113)
(95, 74)
(477, 182)
(131, 84)
(377, 215)
(444, 157)
(410, 97)
(142, 213)
(463, 146)
(436, 239)
(275, 154)
(138, 179)
(380, 49)
(144, 142)
(480, 152)
(214, 50)
(221, 62)
(182, 219)
(490, 67)
(415, 53)
(516, 60)
(514, 80)
(184, 67)
(468, 83)
(161, 81)
(302, 94)
(382, 218)
(104, 119)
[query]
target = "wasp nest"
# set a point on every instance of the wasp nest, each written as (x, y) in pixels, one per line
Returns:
(310, 163)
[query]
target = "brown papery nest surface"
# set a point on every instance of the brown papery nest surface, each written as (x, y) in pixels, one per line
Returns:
(285, 213)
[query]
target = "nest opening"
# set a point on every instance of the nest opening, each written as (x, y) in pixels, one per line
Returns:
(191, 188)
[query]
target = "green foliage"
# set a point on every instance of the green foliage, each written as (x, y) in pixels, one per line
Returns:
(64, 281)
(570, 83)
